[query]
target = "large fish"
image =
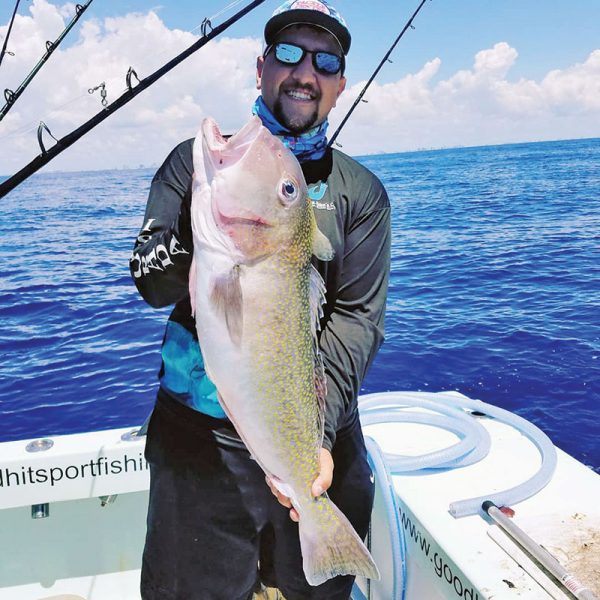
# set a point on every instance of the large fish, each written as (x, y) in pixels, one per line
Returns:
(257, 301)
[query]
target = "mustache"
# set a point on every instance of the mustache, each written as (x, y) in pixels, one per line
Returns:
(301, 87)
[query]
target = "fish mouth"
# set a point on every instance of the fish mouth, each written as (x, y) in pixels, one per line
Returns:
(221, 153)
(226, 221)
(225, 152)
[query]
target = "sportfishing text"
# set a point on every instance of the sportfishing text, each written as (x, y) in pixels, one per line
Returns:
(97, 467)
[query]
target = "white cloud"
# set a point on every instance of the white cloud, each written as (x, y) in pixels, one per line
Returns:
(218, 80)
(476, 105)
(579, 85)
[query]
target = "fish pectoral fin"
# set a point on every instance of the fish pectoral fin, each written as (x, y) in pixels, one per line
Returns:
(321, 246)
(226, 300)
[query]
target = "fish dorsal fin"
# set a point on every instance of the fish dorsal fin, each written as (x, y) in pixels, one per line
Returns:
(321, 246)
(226, 300)
(321, 391)
(317, 300)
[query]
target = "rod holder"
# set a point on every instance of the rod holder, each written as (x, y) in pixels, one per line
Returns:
(106, 500)
(40, 445)
(40, 511)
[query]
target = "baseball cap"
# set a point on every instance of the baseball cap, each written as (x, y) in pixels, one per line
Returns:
(308, 12)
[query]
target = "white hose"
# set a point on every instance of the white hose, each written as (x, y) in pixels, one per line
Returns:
(383, 479)
(449, 413)
(392, 407)
(380, 468)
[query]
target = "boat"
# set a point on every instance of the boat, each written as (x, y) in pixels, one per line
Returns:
(73, 510)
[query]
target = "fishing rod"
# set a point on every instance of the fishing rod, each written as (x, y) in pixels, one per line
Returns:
(9, 95)
(375, 73)
(62, 144)
(12, 20)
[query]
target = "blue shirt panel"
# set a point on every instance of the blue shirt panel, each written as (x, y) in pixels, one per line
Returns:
(184, 376)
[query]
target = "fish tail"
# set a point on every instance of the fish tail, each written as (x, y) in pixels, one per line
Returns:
(330, 545)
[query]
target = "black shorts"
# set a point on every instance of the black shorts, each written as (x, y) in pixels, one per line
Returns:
(214, 528)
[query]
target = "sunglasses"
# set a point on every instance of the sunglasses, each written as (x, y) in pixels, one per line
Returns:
(325, 63)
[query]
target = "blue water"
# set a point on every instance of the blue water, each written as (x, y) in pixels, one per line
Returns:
(494, 291)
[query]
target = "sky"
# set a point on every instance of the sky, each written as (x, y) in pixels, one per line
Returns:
(471, 72)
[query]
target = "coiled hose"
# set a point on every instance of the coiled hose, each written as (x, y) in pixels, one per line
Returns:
(452, 412)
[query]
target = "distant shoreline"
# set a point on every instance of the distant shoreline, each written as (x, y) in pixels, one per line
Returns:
(155, 166)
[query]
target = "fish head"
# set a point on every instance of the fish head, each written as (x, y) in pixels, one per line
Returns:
(259, 198)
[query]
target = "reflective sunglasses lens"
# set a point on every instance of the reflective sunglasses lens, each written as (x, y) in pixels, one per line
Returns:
(289, 54)
(328, 63)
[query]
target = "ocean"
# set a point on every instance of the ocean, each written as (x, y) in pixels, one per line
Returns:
(494, 291)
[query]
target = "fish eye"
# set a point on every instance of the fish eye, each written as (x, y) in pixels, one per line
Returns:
(288, 192)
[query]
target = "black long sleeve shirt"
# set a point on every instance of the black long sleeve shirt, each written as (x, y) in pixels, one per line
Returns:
(351, 208)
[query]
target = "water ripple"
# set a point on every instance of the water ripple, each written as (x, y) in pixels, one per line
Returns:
(493, 291)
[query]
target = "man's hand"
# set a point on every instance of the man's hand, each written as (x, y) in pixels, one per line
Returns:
(320, 484)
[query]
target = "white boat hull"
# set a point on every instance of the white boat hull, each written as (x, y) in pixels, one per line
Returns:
(87, 547)
(90, 548)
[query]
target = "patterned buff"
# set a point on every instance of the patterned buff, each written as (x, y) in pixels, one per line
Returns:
(306, 146)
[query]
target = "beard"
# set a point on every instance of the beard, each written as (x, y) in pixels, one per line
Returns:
(297, 124)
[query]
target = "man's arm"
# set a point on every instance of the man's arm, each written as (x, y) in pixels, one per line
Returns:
(162, 253)
(355, 331)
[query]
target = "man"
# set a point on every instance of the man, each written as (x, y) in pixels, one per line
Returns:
(215, 530)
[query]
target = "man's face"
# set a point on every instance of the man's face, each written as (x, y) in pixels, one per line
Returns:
(298, 95)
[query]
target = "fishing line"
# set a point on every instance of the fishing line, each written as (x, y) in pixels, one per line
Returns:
(33, 125)
(385, 59)
(10, 96)
(203, 27)
(3, 52)
(63, 143)
(224, 10)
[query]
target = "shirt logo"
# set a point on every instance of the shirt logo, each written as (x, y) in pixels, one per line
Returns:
(323, 205)
(316, 191)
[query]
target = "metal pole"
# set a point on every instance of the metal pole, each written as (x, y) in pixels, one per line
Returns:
(568, 581)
